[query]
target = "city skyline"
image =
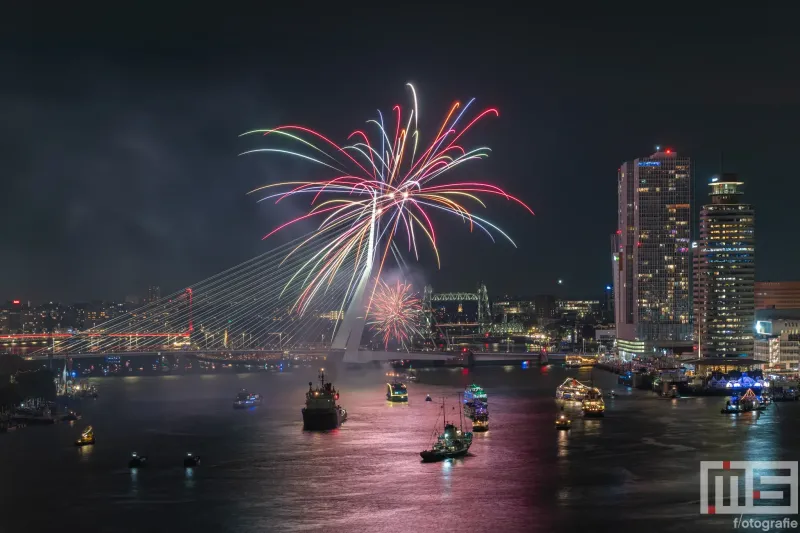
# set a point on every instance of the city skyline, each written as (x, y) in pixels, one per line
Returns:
(147, 186)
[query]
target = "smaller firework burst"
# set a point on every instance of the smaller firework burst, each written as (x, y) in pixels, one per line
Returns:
(395, 313)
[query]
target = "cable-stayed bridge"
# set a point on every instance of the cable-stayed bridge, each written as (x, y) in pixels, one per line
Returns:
(267, 305)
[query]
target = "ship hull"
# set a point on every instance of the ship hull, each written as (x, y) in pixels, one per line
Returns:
(397, 399)
(321, 420)
(430, 456)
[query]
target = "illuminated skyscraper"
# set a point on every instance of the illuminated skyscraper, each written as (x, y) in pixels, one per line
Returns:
(652, 253)
(725, 273)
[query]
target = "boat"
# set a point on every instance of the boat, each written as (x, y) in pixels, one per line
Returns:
(474, 392)
(480, 423)
(137, 461)
(396, 392)
(191, 460)
(593, 404)
(571, 389)
(321, 411)
(573, 361)
(71, 417)
(475, 408)
(562, 422)
(245, 399)
(428, 398)
(33, 416)
(743, 404)
(453, 442)
(87, 437)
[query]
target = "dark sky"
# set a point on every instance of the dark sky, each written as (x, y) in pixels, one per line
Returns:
(119, 137)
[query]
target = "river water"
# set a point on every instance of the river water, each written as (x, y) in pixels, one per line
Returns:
(638, 467)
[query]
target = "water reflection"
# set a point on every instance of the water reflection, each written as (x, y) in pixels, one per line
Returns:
(639, 460)
(563, 443)
(189, 478)
(447, 481)
(85, 452)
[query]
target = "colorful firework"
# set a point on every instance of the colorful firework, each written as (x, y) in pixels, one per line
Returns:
(383, 189)
(396, 313)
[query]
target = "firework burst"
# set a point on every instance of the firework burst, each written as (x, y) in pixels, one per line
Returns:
(383, 193)
(396, 313)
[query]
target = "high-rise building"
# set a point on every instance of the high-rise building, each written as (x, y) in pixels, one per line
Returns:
(778, 295)
(652, 302)
(544, 306)
(153, 293)
(724, 277)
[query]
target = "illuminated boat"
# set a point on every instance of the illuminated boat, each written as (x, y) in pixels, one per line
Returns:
(396, 392)
(245, 399)
(452, 443)
(743, 404)
(474, 392)
(593, 404)
(476, 408)
(480, 423)
(321, 411)
(573, 361)
(571, 389)
(562, 422)
(87, 437)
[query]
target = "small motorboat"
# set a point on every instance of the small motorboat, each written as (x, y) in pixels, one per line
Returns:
(137, 461)
(480, 423)
(191, 460)
(562, 422)
(71, 417)
(428, 398)
(612, 394)
(246, 399)
(87, 437)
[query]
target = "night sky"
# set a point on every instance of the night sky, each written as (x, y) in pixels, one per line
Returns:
(119, 141)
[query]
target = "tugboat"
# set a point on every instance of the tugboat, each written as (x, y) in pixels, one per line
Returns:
(137, 461)
(474, 392)
(480, 423)
(244, 400)
(562, 422)
(396, 392)
(452, 443)
(191, 460)
(321, 411)
(593, 404)
(87, 437)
